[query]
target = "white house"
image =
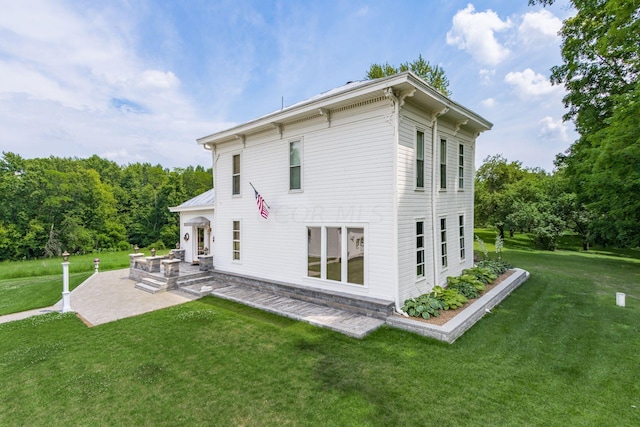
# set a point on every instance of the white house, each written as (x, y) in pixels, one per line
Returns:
(369, 189)
(196, 219)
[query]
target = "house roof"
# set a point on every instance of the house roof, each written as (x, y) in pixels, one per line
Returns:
(405, 85)
(201, 201)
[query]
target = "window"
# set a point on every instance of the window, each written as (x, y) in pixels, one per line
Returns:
(420, 248)
(336, 253)
(461, 228)
(355, 255)
(443, 242)
(314, 251)
(295, 165)
(419, 159)
(443, 164)
(461, 166)
(235, 177)
(236, 240)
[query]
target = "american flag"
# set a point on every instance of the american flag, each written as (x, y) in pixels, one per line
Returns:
(262, 206)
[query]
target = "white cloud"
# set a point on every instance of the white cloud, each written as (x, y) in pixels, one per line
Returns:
(551, 129)
(539, 27)
(486, 76)
(72, 84)
(489, 102)
(529, 83)
(475, 33)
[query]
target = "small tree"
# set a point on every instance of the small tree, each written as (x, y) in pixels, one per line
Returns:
(432, 74)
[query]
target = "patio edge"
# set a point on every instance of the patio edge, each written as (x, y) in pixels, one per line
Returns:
(457, 326)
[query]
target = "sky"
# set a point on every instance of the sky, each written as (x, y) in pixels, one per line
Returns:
(141, 80)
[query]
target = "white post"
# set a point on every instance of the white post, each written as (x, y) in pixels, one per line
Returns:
(66, 304)
(620, 296)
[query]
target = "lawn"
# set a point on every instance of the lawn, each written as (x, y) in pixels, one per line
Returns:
(26, 285)
(557, 352)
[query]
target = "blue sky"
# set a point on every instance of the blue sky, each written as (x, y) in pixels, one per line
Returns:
(139, 81)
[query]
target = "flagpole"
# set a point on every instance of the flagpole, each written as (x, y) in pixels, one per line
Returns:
(254, 189)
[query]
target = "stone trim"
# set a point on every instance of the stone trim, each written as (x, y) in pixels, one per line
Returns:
(457, 326)
(366, 306)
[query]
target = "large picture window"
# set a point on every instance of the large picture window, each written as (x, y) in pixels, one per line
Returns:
(235, 175)
(295, 165)
(336, 254)
(419, 159)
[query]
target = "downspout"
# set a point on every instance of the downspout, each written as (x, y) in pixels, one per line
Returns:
(434, 191)
(212, 148)
(395, 121)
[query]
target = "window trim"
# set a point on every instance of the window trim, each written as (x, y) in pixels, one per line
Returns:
(461, 167)
(420, 249)
(461, 237)
(235, 174)
(344, 275)
(444, 261)
(234, 240)
(419, 185)
(443, 164)
(300, 166)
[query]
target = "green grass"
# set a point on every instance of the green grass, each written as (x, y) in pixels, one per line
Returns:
(77, 264)
(557, 352)
(35, 292)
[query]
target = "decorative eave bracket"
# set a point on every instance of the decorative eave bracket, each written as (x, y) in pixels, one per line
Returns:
(436, 114)
(279, 127)
(399, 97)
(326, 113)
(458, 125)
(243, 138)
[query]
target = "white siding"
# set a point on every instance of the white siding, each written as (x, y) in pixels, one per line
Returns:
(415, 204)
(347, 181)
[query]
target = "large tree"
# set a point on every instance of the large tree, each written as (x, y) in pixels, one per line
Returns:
(600, 70)
(432, 74)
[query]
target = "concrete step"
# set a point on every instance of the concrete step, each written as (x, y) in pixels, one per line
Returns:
(147, 288)
(152, 285)
(193, 280)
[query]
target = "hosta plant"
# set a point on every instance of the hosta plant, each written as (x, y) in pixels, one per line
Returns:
(467, 284)
(484, 274)
(423, 306)
(450, 297)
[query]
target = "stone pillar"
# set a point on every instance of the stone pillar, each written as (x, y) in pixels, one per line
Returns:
(171, 267)
(179, 254)
(153, 263)
(206, 262)
(133, 258)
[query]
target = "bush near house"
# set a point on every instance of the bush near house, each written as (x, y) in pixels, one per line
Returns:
(459, 290)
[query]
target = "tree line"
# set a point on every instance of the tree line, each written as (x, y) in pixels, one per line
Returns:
(54, 204)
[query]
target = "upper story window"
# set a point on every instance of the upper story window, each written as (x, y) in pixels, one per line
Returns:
(419, 159)
(235, 175)
(461, 166)
(295, 165)
(443, 164)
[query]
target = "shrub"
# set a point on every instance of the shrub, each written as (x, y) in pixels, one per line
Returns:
(450, 297)
(484, 274)
(423, 306)
(157, 245)
(467, 284)
(497, 267)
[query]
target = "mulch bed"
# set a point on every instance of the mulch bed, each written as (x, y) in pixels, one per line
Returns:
(446, 315)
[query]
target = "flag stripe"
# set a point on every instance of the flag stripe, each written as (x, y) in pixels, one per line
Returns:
(262, 206)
